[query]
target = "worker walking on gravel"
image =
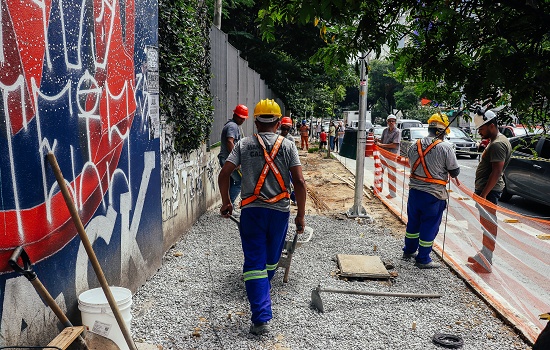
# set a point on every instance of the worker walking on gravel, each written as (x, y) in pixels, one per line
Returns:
(431, 161)
(231, 134)
(286, 125)
(266, 160)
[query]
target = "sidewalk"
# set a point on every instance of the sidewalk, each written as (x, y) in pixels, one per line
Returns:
(197, 298)
(517, 287)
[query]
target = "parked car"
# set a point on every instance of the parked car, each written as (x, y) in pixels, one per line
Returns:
(377, 130)
(519, 130)
(409, 137)
(464, 145)
(529, 176)
(408, 123)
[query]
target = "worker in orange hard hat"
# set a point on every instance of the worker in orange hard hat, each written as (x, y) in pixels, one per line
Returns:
(286, 126)
(231, 133)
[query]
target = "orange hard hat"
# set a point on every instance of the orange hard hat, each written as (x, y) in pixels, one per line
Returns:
(286, 121)
(241, 111)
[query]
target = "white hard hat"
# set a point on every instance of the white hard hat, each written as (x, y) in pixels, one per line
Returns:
(483, 118)
(391, 116)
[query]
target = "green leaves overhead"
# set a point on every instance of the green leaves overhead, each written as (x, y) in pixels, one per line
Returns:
(476, 47)
(184, 46)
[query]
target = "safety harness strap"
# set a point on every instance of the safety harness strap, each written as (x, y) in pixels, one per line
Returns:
(269, 165)
(421, 160)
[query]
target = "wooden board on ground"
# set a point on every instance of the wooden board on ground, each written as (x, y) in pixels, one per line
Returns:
(66, 337)
(361, 266)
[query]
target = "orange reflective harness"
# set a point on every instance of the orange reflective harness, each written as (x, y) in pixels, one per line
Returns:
(269, 164)
(421, 155)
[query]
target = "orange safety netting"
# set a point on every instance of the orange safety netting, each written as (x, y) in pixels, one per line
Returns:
(501, 253)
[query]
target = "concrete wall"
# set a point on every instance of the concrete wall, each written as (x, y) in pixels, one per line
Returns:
(189, 188)
(80, 79)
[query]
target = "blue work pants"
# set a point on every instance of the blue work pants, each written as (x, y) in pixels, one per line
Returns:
(263, 233)
(424, 212)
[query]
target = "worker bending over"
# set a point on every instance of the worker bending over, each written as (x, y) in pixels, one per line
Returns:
(266, 160)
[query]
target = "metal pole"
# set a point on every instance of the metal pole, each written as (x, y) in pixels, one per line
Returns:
(218, 14)
(357, 210)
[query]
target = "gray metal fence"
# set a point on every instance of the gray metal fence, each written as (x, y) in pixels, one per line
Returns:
(233, 83)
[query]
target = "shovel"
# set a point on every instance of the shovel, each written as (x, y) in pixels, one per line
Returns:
(289, 247)
(90, 250)
(91, 341)
(317, 302)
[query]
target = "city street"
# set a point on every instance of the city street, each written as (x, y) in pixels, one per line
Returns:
(518, 204)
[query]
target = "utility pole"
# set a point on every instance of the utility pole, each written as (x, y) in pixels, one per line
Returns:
(218, 14)
(357, 210)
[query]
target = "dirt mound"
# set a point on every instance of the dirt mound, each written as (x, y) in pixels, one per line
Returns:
(331, 192)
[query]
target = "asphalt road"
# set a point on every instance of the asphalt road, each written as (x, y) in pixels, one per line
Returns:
(518, 204)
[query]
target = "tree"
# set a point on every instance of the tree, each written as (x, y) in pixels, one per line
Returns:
(285, 64)
(482, 49)
(406, 100)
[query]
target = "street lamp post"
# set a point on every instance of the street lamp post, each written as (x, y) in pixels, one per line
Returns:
(357, 210)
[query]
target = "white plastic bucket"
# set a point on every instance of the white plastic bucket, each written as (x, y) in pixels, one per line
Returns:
(98, 317)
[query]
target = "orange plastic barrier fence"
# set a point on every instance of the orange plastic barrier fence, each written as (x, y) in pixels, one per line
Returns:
(500, 253)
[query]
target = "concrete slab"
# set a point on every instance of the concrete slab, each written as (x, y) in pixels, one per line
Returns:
(361, 266)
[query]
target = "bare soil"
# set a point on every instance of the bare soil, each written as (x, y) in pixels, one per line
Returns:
(330, 194)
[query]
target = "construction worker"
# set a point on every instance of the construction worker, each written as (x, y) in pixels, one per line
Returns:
(391, 136)
(431, 161)
(230, 135)
(266, 160)
(489, 185)
(304, 135)
(286, 125)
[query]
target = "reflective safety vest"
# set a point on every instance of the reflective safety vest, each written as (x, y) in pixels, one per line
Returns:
(269, 165)
(421, 154)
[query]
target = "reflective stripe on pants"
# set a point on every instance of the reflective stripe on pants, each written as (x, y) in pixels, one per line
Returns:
(424, 213)
(263, 233)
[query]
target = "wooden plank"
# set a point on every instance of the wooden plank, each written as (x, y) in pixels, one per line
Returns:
(66, 337)
(363, 266)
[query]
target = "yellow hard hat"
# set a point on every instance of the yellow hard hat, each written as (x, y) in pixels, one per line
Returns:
(266, 108)
(439, 121)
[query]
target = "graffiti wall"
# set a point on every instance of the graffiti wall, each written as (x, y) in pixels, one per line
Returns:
(189, 186)
(78, 79)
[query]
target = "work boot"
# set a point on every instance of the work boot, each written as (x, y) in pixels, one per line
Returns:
(410, 256)
(430, 265)
(259, 328)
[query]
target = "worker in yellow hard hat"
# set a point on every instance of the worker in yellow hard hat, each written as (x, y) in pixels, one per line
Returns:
(432, 161)
(267, 160)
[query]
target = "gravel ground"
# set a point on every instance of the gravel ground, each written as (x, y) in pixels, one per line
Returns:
(197, 298)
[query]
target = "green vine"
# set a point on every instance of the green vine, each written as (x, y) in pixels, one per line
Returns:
(184, 47)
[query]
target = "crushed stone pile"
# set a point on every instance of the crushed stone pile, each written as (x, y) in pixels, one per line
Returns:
(197, 298)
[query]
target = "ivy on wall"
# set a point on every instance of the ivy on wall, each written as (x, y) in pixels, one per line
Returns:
(184, 46)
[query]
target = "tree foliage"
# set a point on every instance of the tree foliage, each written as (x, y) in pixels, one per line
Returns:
(185, 71)
(305, 86)
(481, 49)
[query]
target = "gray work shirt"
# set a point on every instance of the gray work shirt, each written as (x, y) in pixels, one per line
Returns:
(393, 136)
(248, 153)
(439, 161)
(230, 129)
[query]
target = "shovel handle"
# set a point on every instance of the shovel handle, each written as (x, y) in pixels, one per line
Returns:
(26, 269)
(90, 250)
(382, 294)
